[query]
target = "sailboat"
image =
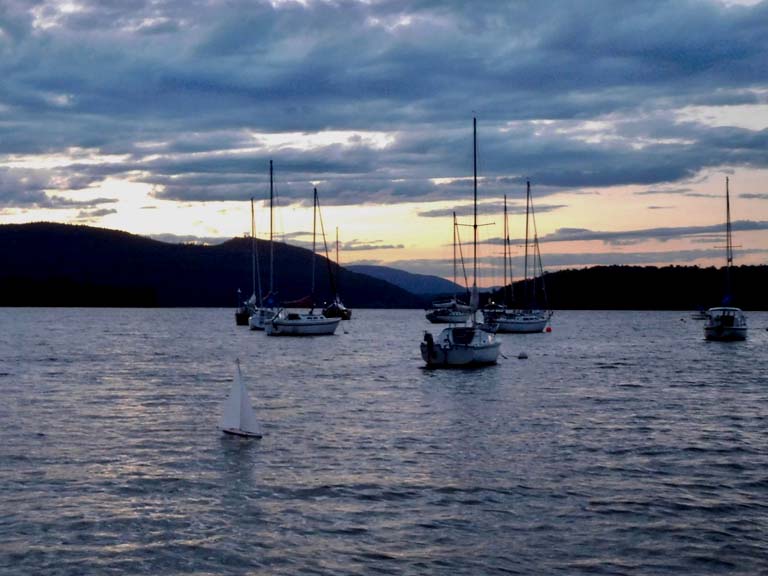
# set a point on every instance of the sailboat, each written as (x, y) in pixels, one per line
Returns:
(726, 322)
(238, 417)
(529, 319)
(335, 309)
(450, 311)
(464, 346)
(261, 314)
(287, 323)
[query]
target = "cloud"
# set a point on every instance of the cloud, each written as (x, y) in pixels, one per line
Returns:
(366, 247)
(487, 208)
(663, 191)
(23, 187)
(556, 261)
(94, 215)
(189, 239)
(635, 236)
(754, 196)
(186, 96)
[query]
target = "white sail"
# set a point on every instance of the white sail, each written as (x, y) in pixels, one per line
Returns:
(238, 416)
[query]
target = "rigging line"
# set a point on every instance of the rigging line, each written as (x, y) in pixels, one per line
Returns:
(461, 256)
(537, 254)
(454, 248)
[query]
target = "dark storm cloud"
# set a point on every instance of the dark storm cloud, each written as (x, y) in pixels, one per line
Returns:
(179, 89)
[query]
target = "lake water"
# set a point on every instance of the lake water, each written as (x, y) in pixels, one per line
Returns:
(624, 444)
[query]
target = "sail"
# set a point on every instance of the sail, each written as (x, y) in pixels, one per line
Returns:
(248, 422)
(230, 415)
(238, 412)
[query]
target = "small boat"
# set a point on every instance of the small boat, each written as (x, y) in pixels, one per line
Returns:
(726, 323)
(336, 309)
(456, 313)
(238, 417)
(289, 323)
(522, 321)
(464, 346)
(450, 311)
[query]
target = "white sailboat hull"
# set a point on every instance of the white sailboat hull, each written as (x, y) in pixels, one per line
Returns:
(452, 351)
(725, 324)
(293, 324)
(522, 322)
(238, 432)
(260, 317)
(438, 316)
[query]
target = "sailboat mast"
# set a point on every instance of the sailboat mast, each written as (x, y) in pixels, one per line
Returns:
(474, 221)
(253, 251)
(314, 235)
(728, 239)
(271, 227)
(506, 249)
(454, 248)
(527, 213)
(338, 264)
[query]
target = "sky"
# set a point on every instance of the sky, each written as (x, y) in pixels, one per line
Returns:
(160, 117)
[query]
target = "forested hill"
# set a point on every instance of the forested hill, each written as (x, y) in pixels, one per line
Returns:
(651, 288)
(63, 265)
(47, 264)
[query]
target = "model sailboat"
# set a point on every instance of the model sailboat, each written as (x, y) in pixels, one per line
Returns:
(238, 417)
(464, 346)
(726, 322)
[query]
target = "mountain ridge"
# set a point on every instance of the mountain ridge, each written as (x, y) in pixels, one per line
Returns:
(46, 264)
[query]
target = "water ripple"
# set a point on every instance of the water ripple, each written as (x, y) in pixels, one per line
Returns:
(636, 448)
